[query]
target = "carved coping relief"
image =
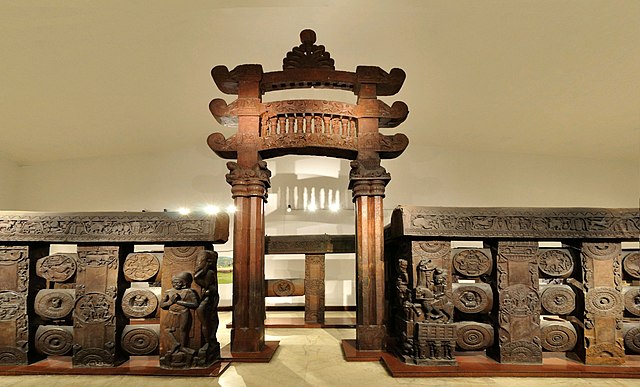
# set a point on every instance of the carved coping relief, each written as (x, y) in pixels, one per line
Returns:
(144, 227)
(514, 223)
(312, 127)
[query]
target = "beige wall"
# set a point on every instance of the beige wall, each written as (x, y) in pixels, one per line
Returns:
(430, 176)
(8, 181)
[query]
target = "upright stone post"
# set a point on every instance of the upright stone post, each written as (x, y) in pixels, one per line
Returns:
(519, 303)
(14, 286)
(314, 275)
(603, 341)
(94, 316)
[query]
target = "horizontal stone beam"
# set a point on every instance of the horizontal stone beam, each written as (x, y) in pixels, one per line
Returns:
(134, 227)
(515, 223)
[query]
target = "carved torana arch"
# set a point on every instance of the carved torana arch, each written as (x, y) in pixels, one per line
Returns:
(307, 127)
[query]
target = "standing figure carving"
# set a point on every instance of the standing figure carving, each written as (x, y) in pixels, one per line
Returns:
(206, 275)
(179, 301)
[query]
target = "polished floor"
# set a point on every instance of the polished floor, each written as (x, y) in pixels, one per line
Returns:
(306, 357)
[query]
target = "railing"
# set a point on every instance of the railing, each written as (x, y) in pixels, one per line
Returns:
(99, 304)
(514, 282)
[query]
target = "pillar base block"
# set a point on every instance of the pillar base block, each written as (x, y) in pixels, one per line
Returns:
(263, 356)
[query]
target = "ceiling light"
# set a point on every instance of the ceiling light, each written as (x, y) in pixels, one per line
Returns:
(184, 211)
(211, 209)
(231, 209)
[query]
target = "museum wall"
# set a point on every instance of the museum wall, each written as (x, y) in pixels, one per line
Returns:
(194, 176)
(8, 179)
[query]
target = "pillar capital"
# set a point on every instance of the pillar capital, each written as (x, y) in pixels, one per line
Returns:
(247, 182)
(368, 178)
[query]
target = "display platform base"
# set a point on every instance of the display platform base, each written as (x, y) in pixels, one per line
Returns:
(136, 365)
(478, 364)
(352, 354)
(264, 356)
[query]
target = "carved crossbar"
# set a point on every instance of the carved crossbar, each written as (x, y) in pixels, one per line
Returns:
(515, 223)
(314, 247)
(134, 227)
(310, 244)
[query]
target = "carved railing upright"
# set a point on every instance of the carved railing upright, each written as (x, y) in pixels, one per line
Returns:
(306, 127)
(107, 303)
(581, 296)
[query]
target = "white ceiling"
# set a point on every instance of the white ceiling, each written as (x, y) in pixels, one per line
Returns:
(101, 78)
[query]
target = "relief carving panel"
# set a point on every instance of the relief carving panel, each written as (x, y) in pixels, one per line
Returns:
(472, 262)
(558, 299)
(140, 339)
(57, 267)
(141, 267)
(139, 303)
(54, 340)
(558, 336)
(54, 304)
(473, 298)
(555, 263)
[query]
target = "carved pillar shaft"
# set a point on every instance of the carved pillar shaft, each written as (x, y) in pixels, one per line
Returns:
(519, 303)
(370, 329)
(247, 332)
(603, 304)
(94, 315)
(249, 190)
(367, 182)
(314, 276)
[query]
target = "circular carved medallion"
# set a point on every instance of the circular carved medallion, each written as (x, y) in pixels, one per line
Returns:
(54, 340)
(140, 341)
(472, 263)
(93, 357)
(94, 308)
(558, 299)
(12, 356)
(603, 300)
(474, 336)
(632, 300)
(555, 263)
(12, 305)
(631, 264)
(56, 267)
(138, 303)
(632, 339)
(140, 266)
(283, 288)
(602, 251)
(558, 337)
(54, 304)
(476, 298)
